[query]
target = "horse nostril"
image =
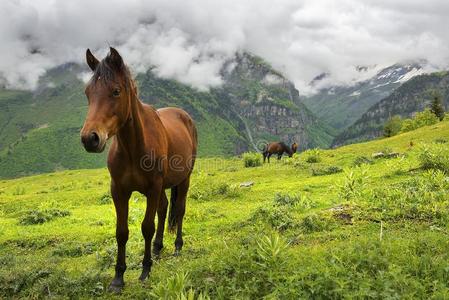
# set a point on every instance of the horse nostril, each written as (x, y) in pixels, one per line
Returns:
(94, 139)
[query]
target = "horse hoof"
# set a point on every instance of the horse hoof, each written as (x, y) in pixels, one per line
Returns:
(177, 252)
(144, 275)
(157, 252)
(116, 286)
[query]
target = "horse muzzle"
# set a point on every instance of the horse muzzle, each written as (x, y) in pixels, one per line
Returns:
(93, 142)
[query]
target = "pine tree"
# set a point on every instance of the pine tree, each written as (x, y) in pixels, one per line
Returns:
(436, 106)
(392, 126)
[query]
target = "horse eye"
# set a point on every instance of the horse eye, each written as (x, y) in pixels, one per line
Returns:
(116, 93)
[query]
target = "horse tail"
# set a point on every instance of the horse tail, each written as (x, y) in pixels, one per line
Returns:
(172, 217)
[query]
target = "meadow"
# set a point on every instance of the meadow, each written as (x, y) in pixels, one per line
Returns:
(366, 220)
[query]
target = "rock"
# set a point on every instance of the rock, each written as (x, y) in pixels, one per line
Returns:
(247, 184)
(385, 155)
(378, 155)
(392, 155)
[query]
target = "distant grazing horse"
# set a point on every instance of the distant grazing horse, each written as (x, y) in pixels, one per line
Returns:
(152, 150)
(278, 148)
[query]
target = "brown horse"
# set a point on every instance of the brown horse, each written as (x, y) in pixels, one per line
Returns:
(152, 150)
(278, 148)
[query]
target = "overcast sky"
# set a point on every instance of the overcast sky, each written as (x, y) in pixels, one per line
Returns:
(189, 40)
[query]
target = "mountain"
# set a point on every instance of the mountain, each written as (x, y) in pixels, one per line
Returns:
(341, 106)
(39, 130)
(267, 105)
(409, 98)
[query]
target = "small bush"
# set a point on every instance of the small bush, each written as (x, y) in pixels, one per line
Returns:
(252, 159)
(441, 141)
(316, 223)
(225, 189)
(421, 119)
(285, 200)
(271, 250)
(19, 191)
(361, 160)
(33, 217)
(75, 250)
(177, 287)
(354, 183)
(105, 199)
(278, 217)
(434, 156)
(422, 198)
(326, 170)
(312, 156)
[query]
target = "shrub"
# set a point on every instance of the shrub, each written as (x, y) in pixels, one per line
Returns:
(421, 198)
(326, 170)
(271, 250)
(360, 160)
(105, 199)
(354, 183)
(33, 217)
(296, 201)
(312, 155)
(421, 119)
(252, 159)
(278, 217)
(198, 192)
(398, 166)
(434, 156)
(285, 199)
(225, 189)
(316, 223)
(440, 141)
(20, 190)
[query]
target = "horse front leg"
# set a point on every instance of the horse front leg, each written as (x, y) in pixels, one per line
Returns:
(148, 228)
(121, 199)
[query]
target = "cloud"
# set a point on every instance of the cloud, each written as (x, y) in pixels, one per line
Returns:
(190, 40)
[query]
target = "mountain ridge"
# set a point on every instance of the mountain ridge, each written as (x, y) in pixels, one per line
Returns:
(340, 106)
(411, 97)
(254, 103)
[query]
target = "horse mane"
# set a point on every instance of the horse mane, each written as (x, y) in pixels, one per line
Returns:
(285, 147)
(108, 73)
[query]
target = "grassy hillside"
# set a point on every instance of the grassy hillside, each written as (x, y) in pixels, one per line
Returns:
(411, 97)
(305, 229)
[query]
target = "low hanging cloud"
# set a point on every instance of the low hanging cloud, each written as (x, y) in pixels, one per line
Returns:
(190, 40)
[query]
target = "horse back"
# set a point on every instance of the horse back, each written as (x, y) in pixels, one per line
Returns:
(274, 147)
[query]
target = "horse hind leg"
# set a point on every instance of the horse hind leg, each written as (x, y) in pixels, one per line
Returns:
(177, 211)
(161, 215)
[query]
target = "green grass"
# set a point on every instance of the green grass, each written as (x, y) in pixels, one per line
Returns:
(379, 230)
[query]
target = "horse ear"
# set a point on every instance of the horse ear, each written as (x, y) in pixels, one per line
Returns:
(114, 59)
(91, 60)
